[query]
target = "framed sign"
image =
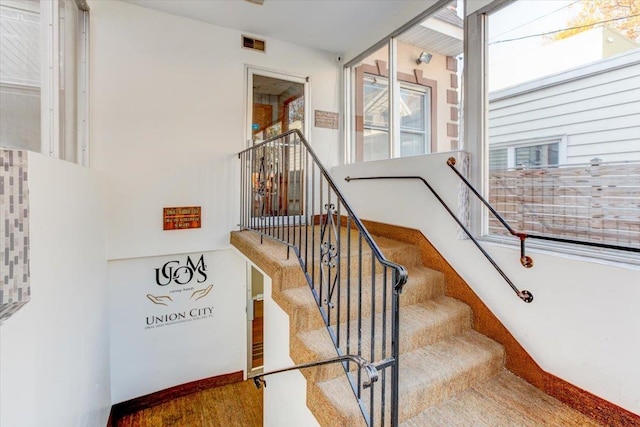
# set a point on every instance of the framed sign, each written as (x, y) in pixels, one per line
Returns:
(181, 218)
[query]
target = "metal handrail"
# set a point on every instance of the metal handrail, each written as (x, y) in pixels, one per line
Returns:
(370, 368)
(284, 184)
(526, 260)
(524, 295)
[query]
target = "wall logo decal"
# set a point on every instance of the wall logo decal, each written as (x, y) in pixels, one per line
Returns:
(182, 284)
(173, 272)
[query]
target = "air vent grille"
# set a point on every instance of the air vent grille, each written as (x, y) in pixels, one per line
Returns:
(253, 44)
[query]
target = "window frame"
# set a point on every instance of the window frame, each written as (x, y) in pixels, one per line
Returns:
(51, 137)
(415, 82)
(511, 147)
(476, 109)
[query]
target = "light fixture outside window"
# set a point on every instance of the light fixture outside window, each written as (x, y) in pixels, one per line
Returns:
(424, 57)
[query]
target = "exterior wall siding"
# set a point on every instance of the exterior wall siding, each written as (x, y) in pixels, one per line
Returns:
(596, 107)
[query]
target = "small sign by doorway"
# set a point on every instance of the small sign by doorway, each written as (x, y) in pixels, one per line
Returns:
(326, 119)
(181, 218)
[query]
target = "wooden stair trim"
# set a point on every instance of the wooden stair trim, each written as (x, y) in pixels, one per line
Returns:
(484, 321)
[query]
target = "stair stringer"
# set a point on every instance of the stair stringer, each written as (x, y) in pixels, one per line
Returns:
(517, 359)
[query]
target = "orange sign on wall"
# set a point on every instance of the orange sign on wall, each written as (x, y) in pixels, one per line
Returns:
(181, 218)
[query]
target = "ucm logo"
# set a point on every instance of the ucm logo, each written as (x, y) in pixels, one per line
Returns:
(172, 271)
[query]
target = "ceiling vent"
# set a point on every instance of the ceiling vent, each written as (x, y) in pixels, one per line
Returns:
(253, 44)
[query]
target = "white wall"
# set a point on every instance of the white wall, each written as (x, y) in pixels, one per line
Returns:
(168, 106)
(168, 117)
(290, 387)
(54, 352)
(583, 323)
(199, 333)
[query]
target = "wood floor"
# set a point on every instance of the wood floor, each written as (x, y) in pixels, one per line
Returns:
(257, 339)
(233, 405)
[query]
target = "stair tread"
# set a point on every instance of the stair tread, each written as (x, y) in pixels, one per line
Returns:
(434, 372)
(413, 285)
(420, 324)
(423, 284)
(504, 400)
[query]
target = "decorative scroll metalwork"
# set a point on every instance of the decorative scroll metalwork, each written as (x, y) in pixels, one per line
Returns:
(287, 195)
(329, 254)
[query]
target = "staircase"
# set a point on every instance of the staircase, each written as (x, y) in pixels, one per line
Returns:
(450, 375)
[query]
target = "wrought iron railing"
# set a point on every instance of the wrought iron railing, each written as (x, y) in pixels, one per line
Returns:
(524, 295)
(287, 195)
(370, 369)
(625, 195)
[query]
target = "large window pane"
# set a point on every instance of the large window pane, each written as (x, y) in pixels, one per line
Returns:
(376, 144)
(429, 63)
(428, 60)
(412, 110)
(20, 74)
(564, 112)
(411, 144)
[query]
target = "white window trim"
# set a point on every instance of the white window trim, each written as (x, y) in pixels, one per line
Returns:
(512, 145)
(475, 104)
(250, 71)
(50, 86)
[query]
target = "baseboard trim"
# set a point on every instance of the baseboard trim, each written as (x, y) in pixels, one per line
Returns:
(122, 409)
(518, 360)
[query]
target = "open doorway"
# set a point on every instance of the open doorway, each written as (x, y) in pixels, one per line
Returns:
(277, 104)
(255, 318)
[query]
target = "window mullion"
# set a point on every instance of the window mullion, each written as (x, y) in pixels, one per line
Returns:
(83, 89)
(394, 97)
(50, 89)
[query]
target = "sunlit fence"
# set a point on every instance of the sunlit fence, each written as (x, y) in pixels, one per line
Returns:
(592, 202)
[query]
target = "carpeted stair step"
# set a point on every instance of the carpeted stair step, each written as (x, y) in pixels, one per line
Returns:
(423, 284)
(420, 325)
(430, 375)
(272, 252)
(504, 400)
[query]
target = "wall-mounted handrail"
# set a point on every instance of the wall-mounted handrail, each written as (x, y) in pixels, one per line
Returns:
(287, 195)
(370, 368)
(526, 260)
(524, 295)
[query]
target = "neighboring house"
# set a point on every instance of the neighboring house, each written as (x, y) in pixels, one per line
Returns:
(568, 111)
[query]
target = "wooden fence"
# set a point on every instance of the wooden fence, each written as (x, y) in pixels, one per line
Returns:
(598, 203)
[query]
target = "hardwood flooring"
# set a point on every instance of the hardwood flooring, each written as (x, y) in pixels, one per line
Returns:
(233, 405)
(257, 350)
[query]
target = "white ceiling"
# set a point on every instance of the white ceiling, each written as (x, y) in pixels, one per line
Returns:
(330, 25)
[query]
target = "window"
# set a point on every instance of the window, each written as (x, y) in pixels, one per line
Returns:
(44, 112)
(542, 76)
(525, 155)
(403, 98)
(415, 119)
(20, 51)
